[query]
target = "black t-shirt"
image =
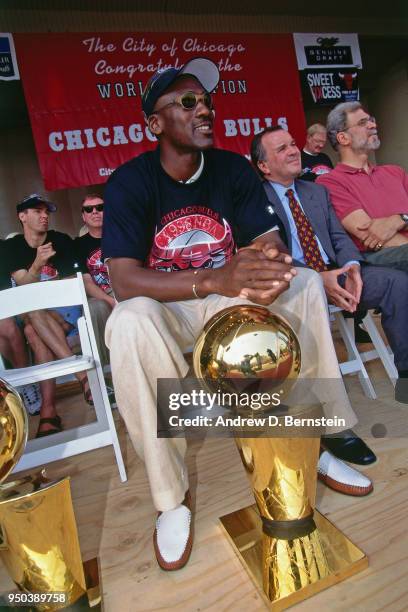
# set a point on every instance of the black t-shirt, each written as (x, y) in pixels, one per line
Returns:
(21, 255)
(88, 256)
(174, 226)
(315, 165)
(4, 267)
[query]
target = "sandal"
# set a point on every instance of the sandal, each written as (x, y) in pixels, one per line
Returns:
(55, 421)
(86, 390)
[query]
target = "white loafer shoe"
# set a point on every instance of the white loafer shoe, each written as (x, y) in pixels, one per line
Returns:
(340, 477)
(173, 536)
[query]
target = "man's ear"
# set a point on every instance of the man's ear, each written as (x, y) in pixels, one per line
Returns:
(343, 138)
(263, 167)
(154, 124)
(22, 217)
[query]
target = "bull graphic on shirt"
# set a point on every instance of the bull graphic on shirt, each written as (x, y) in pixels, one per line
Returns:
(48, 272)
(190, 242)
(98, 270)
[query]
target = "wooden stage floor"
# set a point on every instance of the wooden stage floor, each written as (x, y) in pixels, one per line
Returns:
(116, 521)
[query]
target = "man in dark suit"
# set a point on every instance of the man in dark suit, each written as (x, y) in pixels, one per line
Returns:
(316, 239)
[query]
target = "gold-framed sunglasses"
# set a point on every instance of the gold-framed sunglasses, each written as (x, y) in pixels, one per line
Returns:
(188, 101)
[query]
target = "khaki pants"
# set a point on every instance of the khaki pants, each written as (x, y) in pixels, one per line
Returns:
(147, 340)
(100, 312)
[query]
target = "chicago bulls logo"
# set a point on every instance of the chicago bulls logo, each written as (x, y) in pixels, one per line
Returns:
(348, 78)
(192, 241)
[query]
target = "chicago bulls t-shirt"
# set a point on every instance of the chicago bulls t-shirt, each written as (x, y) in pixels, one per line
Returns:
(88, 255)
(315, 165)
(4, 271)
(174, 226)
(20, 255)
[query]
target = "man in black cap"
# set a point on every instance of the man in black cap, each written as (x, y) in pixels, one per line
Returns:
(183, 209)
(41, 254)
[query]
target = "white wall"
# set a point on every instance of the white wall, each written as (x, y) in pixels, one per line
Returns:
(389, 105)
(319, 115)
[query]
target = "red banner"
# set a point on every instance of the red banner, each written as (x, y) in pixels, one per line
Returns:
(83, 93)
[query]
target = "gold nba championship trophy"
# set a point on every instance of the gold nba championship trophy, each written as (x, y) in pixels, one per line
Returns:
(38, 535)
(289, 549)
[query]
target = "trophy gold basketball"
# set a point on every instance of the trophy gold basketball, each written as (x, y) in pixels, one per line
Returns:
(289, 549)
(38, 534)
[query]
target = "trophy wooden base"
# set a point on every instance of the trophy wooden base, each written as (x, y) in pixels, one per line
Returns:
(91, 600)
(332, 560)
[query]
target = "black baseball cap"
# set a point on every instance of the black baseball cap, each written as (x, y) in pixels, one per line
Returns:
(32, 201)
(203, 69)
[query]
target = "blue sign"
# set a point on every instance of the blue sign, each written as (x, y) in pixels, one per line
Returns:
(8, 61)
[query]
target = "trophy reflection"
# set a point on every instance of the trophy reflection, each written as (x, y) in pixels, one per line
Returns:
(289, 549)
(38, 535)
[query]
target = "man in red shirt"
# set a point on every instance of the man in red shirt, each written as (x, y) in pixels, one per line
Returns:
(370, 201)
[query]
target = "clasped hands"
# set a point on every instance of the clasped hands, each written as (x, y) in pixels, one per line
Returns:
(259, 273)
(347, 297)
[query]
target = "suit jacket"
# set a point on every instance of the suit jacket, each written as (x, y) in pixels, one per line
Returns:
(319, 210)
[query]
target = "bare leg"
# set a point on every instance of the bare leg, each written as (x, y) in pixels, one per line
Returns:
(51, 331)
(42, 354)
(12, 345)
(59, 319)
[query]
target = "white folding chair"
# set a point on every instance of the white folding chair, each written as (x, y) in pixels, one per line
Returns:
(381, 350)
(102, 432)
(356, 360)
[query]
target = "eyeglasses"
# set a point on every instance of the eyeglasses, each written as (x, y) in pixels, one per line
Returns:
(362, 123)
(189, 101)
(89, 209)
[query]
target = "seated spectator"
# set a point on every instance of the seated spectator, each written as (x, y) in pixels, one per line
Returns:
(87, 250)
(36, 255)
(13, 349)
(12, 345)
(370, 201)
(314, 162)
(182, 209)
(316, 239)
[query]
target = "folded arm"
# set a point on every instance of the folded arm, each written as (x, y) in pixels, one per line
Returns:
(371, 232)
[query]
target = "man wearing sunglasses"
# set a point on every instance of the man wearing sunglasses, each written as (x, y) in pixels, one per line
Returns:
(96, 278)
(370, 201)
(184, 208)
(40, 254)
